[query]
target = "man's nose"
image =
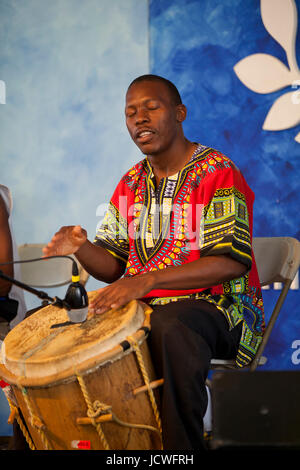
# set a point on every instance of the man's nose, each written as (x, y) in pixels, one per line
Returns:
(142, 115)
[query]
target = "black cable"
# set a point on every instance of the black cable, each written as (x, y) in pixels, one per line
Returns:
(74, 267)
(42, 295)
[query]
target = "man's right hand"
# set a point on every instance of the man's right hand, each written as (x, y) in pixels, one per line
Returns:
(66, 241)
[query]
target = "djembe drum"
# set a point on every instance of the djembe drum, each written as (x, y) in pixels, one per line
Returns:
(77, 384)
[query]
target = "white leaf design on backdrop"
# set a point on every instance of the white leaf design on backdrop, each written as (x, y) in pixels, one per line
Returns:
(284, 113)
(280, 20)
(263, 73)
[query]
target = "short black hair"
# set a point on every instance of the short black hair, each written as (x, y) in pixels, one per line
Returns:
(175, 95)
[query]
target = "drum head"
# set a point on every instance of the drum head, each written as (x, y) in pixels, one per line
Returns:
(46, 343)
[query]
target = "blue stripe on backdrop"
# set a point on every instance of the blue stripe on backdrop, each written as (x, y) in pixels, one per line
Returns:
(196, 44)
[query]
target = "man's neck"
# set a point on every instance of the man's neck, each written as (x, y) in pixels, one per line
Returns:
(173, 160)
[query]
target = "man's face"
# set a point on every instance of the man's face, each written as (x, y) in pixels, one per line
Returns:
(152, 119)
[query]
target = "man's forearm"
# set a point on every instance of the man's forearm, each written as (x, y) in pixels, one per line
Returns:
(99, 263)
(202, 273)
(205, 272)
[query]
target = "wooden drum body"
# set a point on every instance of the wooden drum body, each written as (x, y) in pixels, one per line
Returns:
(77, 384)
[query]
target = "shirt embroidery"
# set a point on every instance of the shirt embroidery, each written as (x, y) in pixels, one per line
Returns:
(205, 209)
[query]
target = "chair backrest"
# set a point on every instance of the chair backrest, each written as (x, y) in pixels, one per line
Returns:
(277, 258)
(46, 273)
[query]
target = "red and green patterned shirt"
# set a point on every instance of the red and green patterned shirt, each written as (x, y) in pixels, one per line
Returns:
(205, 209)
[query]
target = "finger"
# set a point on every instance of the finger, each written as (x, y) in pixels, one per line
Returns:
(77, 230)
(100, 293)
(109, 306)
(104, 303)
(45, 250)
(101, 299)
(112, 302)
(53, 244)
(49, 250)
(79, 234)
(118, 304)
(58, 236)
(121, 301)
(101, 308)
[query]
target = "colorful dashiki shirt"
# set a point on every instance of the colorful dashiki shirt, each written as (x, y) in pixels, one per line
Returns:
(205, 209)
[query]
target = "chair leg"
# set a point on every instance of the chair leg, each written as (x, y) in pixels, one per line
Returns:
(271, 323)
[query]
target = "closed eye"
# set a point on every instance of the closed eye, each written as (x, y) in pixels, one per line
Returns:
(130, 112)
(152, 105)
(149, 105)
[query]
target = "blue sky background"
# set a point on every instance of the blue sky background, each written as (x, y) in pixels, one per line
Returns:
(64, 143)
(66, 65)
(63, 140)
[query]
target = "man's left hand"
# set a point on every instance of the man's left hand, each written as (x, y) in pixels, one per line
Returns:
(121, 292)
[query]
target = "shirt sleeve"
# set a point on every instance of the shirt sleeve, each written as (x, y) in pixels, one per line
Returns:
(227, 226)
(113, 232)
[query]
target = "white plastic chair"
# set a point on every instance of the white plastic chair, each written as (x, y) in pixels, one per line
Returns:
(46, 273)
(277, 260)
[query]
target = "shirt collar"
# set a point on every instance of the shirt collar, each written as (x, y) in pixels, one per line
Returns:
(148, 167)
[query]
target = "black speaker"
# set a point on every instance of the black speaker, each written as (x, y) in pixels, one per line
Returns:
(258, 409)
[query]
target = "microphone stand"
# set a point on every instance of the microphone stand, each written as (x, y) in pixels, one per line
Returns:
(40, 294)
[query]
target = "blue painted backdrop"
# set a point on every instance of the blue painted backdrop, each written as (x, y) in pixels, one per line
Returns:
(196, 44)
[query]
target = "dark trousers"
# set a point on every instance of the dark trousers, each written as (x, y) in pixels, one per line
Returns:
(185, 336)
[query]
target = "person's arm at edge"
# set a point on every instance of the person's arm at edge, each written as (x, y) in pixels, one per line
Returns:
(6, 251)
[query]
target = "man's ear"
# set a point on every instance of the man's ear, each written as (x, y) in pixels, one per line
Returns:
(181, 112)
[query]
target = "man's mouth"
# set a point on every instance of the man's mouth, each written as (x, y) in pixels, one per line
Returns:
(144, 135)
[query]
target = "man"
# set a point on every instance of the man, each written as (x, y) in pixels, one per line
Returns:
(179, 228)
